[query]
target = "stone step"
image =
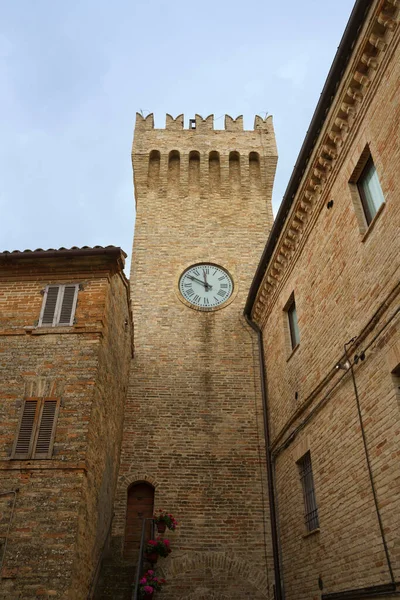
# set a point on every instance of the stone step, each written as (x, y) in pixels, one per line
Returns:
(115, 582)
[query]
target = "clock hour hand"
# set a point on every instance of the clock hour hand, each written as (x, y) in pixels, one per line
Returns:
(206, 285)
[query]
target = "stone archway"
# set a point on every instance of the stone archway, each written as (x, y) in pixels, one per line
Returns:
(213, 576)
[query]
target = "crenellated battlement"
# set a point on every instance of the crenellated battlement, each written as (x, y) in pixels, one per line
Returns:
(198, 161)
(200, 124)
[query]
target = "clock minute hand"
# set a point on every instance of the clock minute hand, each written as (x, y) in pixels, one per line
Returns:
(206, 285)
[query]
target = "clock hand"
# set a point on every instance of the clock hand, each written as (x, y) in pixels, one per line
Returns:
(205, 277)
(206, 285)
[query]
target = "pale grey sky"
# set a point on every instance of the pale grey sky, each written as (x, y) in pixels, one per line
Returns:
(73, 74)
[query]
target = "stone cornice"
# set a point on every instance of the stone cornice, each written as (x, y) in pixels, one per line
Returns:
(352, 97)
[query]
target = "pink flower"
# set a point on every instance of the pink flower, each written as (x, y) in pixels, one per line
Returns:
(143, 581)
(150, 572)
(148, 589)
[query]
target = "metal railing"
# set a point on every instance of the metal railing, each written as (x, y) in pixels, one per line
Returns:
(139, 567)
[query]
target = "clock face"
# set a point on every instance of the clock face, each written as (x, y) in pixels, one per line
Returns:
(205, 286)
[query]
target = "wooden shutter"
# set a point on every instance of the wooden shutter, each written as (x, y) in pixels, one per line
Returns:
(26, 429)
(68, 303)
(36, 429)
(49, 305)
(46, 429)
(59, 304)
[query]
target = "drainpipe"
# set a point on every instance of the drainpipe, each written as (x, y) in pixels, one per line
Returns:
(276, 549)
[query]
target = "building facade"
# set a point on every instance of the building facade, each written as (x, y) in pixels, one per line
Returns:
(65, 347)
(326, 299)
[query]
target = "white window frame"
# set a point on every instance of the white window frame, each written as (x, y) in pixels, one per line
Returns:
(57, 312)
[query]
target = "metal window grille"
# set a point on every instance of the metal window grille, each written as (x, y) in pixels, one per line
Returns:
(310, 502)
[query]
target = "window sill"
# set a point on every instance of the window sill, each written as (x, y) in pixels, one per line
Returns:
(17, 464)
(374, 220)
(293, 352)
(64, 329)
(310, 533)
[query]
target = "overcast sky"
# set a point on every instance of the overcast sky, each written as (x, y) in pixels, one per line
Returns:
(73, 74)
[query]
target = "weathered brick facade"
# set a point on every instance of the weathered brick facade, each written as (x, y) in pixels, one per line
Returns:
(344, 276)
(193, 420)
(56, 512)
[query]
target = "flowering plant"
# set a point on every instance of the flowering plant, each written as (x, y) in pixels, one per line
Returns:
(150, 583)
(167, 518)
(158, 546)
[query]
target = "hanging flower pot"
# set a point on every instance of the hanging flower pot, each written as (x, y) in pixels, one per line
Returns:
(156, 548)
(161, 526)
(149, 584)
(163, 520)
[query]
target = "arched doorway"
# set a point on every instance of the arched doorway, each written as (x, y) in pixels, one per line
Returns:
(140, 506)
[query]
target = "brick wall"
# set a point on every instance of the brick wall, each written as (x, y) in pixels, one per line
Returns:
(345, 281)
(63, 504)
(193, 421)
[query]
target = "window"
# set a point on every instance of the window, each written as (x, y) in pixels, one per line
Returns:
(396, 381)
(59, 305)
(307, 482)
(36, 428)
(370, 190)
(293, 324)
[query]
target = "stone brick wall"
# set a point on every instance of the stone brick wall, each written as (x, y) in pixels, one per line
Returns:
(345, 279)
(63, 505)
(193, 421)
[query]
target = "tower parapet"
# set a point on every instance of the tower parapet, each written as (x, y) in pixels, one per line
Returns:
(199, 123)
(201, 162)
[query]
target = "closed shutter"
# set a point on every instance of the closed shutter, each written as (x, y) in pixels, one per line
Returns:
(59, 304)
(36, 430)
(46, 429)
(50, 305)
(68, 305)
(27, 426)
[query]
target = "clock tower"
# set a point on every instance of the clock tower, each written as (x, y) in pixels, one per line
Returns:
(193, 440)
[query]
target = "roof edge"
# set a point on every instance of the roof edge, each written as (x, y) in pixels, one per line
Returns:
(63, 252)
(339, 64)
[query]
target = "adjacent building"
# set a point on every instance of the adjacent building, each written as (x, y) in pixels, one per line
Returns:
(326, 299)
(65, 349)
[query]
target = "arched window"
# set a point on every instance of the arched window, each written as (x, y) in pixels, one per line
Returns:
(174, 166)
(254, 170)
(214, 172)
(140, 505)
(234, 170)
(194, 172)
(154, 170)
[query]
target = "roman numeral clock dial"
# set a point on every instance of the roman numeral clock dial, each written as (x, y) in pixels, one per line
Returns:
(205, 286)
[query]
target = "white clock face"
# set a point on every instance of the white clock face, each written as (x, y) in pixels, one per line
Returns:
(206, 286)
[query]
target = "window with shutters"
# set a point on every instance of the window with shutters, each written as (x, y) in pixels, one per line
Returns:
(36, 428)
(59, 304)
(310, 502)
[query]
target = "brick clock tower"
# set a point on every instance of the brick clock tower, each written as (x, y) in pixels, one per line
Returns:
(193, 440)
